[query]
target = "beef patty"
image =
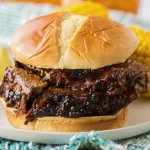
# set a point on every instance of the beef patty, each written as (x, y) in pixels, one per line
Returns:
(72, 93)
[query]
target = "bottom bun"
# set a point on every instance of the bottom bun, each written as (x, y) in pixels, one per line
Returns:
(60, 124)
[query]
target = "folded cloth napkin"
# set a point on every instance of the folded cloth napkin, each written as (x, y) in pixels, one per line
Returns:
(89, 140)
(14, 15)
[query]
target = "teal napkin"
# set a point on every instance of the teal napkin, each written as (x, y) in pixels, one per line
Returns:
(89, 140)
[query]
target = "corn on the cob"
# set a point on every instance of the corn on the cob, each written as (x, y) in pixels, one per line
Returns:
(142, 53)
(86, 8)
(4, 61)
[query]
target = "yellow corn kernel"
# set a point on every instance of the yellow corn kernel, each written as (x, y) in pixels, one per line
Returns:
(86, 8)
(142, 53)
(4, 61)
(147, 95)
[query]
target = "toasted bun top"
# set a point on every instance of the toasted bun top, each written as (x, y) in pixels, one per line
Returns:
(63, 40)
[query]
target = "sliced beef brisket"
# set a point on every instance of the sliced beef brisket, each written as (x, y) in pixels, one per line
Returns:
(18, 87)
(41, 92)
(65, 103)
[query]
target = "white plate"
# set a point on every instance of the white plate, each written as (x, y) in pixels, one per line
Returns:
(138, 122)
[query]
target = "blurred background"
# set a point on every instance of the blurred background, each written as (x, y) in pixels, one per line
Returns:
(140, 7)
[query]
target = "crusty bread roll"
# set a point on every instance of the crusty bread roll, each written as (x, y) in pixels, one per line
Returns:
(63, 40)
(60, 124)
